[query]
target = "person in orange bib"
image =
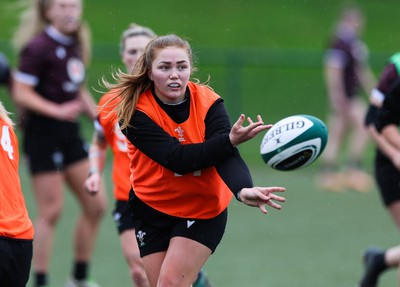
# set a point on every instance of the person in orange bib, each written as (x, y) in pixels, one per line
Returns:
(184, 163)
(107, 133)
(16, 228)
(50, 88)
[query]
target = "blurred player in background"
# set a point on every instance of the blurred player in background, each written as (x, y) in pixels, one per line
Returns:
(5, 72)
(184, 162)
(16, 229)
(54, 47)
(6, 79)
(346, 71)
(107, 132)
(386, 119)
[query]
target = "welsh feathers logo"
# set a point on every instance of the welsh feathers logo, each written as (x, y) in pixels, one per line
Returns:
(180, 133)
(140, 236)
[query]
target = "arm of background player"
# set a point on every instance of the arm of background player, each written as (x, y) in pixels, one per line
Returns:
(385, 146)
(97, 158)
(391, 133)
(25, 96)
(367, 78)
(387, 84)
(388, 149)
(335, 85)
(27, 77)
(388, 117)
(89, 105)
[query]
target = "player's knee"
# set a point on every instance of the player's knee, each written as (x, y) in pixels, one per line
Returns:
(139, 276)
(169, 280)
(51, 214)
(96, 210)
(100, 209)
(166, 281)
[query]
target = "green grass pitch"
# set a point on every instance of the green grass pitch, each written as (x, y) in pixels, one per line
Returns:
(264, 57)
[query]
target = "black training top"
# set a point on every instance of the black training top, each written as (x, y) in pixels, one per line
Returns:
(389, 85)
(216, 150)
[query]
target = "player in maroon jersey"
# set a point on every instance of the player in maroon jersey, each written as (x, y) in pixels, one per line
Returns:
(383, 115)
(346, 72)
(50, 86)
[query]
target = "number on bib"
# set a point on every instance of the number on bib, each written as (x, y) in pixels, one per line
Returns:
(195, 173)
(120, 139)
(6, 142)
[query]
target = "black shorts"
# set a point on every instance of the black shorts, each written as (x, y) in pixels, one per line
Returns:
(15, 262)
(155, 229)
(388, 180)
(53, 149)
(123, 216)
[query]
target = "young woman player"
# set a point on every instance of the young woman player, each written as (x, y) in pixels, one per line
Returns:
(346, 71)
(16, 229)
(107, 132)
(383, 115)
(50, 86)
(185, 166)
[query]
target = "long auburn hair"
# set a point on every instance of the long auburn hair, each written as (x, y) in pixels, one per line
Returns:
(131, 86)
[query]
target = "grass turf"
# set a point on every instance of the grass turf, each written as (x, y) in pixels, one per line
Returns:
(315, 240)
(263, 57)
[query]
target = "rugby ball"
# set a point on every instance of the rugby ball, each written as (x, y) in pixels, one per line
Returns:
(294, 142)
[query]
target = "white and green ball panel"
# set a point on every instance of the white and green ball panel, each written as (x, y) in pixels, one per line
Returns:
(294, 142)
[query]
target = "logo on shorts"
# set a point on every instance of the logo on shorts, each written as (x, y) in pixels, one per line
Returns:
(58, 159)
(140, 236)
(117, 217)
(190, 223)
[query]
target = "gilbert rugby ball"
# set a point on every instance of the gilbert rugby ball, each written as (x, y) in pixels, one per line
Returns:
(294, 142)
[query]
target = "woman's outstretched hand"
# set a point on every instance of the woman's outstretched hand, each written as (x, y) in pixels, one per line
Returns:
(260, 196)
(240, 134)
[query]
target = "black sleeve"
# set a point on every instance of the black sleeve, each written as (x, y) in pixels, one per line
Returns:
(153, 141)
(389, 113)
(4, 70)
(235, 173)
(233, 170)
(217, 149)
(217, 120)
(371, 115)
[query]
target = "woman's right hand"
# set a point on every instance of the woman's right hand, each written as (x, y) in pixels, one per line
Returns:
(261, 196)
(69, 111)
(92, 183)
(240, 134)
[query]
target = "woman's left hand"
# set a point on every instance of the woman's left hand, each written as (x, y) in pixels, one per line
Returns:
(260, 196)
(240, 134)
